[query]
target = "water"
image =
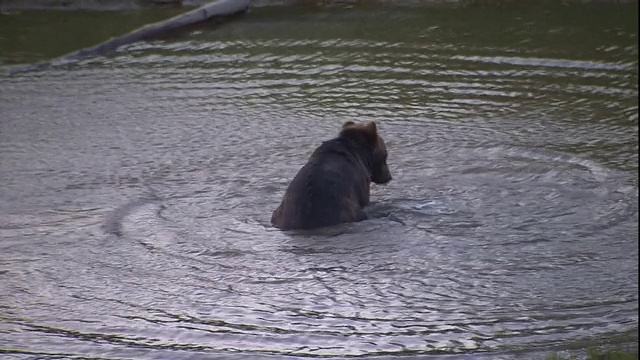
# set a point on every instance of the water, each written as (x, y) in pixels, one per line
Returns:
(137, 188)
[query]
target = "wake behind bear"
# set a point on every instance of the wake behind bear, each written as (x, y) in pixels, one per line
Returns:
(333, 186)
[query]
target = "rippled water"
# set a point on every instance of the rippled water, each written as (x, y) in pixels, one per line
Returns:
(137, 188)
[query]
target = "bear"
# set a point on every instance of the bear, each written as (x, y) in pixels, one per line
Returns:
(333, 186)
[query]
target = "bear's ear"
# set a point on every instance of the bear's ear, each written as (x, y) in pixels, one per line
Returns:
(371, 129)
(347, 124)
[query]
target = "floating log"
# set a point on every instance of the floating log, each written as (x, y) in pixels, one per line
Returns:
(207, 12)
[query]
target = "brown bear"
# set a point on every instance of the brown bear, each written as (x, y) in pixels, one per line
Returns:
(333, 186)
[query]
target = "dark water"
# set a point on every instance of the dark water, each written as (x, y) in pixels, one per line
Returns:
(136, 189)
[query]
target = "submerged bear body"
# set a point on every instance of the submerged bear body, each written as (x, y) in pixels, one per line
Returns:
(333, 186)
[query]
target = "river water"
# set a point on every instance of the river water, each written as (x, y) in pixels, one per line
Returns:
(136, 189)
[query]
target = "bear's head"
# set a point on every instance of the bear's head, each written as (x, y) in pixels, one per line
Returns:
(368, 131)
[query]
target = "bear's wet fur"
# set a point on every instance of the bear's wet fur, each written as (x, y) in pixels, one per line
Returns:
(333, 186)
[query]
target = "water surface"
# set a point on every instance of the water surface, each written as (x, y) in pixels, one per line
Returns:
(137, 188)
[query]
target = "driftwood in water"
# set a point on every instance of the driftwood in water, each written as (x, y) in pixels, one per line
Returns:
(206, 12)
